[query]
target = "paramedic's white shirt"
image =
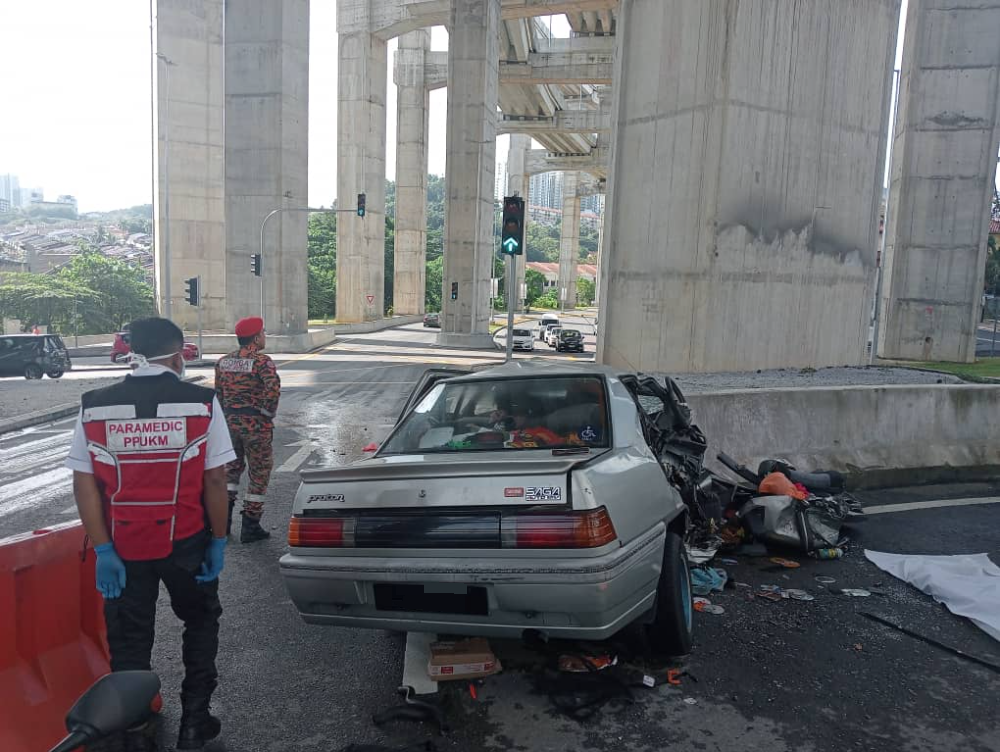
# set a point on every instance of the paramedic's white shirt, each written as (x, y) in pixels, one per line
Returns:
(219, 448)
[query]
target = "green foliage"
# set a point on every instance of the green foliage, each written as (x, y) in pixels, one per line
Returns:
(542, 243)
(132, 225)
(548, 300)
(585, 292)
(535, 282)
(50, 300)
(322, 259)
(121, 289)
(432, 295)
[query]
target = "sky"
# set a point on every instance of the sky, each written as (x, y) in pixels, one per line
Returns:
(75, 102)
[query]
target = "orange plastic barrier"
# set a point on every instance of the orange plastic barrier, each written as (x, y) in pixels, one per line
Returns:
(52, 634)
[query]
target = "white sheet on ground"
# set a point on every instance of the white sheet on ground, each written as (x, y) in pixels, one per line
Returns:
(968, 585)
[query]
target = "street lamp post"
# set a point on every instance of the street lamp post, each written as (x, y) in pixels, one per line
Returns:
(167, 303)
(263, 224)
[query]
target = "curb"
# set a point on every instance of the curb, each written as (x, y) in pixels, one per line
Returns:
(54, 413)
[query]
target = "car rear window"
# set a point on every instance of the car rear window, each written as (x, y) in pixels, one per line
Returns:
(505, 414)
(569, 334)
(522, 332)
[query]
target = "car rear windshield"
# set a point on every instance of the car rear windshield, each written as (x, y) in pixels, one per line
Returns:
(522, 332)
(505, 414)
(569, 334)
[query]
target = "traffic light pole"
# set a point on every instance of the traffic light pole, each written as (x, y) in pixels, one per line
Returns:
(201, 297)
(359, 210)
(509, 295)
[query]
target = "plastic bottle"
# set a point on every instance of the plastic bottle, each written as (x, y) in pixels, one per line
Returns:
(828, 553)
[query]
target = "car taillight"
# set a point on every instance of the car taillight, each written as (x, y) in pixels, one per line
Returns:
(590, 529)
(321, 532)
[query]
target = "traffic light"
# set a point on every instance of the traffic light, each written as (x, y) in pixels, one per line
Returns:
(361, 204)
(191, 288)
(512, 238)
(255, 264)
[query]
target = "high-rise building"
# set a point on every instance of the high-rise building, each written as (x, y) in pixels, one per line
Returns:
(546, 190)
(10, 189)
(593, 204)
(500, 183)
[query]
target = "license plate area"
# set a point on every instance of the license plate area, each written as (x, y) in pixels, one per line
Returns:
(474, 601)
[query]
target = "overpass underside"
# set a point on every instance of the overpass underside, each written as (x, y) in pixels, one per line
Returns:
(741, 147)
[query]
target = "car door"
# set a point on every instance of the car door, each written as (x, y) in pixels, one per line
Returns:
(431, 377)
(7, 349)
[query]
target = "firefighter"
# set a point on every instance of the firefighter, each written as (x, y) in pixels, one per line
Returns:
(148, 459)
(249, 388)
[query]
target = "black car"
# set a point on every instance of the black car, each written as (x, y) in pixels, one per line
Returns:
(432, 320)
(569, 340)
(33, 355)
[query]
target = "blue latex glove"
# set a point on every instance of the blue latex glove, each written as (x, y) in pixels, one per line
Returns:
(215, 556)
(110, 571)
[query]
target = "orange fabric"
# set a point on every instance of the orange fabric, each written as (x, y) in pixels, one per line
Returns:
(777, 484)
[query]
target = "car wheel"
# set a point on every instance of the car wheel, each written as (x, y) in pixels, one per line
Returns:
(54, 374)
(670, 631)
(32, 371)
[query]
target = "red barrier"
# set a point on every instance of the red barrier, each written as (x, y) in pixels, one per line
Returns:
(52, 634)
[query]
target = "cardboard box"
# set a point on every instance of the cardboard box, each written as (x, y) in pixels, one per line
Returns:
(463, 659)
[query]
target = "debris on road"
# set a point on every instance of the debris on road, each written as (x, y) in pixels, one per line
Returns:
(583, 664)
(823, 579)
(854, 592)
(463, 659)
(705, 580)
(931, 641)
(786, 563)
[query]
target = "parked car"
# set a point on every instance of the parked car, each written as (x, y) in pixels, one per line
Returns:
(521, 498)
(432, 320)
(551, 336)
(547, 321)
(33, 355)
(569, 340)
(122, 347)
(524, 339)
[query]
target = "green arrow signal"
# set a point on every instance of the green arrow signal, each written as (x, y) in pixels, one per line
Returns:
(510, 246)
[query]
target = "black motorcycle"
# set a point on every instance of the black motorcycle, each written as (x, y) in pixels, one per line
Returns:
(114, 703)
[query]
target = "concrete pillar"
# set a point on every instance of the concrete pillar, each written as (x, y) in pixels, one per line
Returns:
(517, 184)
(412, 110)
(267, 99)
(600, 259)
(943, 167)
(569, 242)
(189, 208)
(473, 86)
(361, 92)
(745, 182)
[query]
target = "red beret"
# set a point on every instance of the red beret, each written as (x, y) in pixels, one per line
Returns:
(249, 326)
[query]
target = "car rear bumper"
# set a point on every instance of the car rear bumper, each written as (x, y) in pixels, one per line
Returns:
(571, 597)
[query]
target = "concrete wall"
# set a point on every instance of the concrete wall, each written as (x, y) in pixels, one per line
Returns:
(745, 182)
(267, 95)
(189, 169)
(866, 430)
(944, 162)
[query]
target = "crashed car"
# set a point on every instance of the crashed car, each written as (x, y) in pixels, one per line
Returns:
(525, 498)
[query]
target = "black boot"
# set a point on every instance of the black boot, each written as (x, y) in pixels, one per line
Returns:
(197, 727)
(251, 530)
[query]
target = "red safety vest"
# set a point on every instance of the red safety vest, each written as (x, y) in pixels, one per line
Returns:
(147, 438)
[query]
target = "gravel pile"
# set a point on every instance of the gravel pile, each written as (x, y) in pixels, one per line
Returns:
(828, 377)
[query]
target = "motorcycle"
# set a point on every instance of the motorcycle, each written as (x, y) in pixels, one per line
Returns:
(114, 703)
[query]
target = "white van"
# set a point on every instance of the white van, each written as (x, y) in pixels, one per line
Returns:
(547, 320)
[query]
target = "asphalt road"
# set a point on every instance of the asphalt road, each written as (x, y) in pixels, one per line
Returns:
(763, 676)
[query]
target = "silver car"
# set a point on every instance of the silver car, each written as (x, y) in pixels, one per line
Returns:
(520, 498)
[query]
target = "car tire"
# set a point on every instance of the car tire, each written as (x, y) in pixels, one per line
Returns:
(55, 374)
(671, 629)
(32, 371)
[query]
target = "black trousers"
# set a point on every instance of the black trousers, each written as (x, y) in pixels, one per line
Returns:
(131, 618)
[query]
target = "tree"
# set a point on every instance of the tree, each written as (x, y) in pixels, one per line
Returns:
(434, 277)
(548, 300)
(542, 243)
(585, 292)
(49, 300)
(322, 260)
(122, 290)
(535, 282)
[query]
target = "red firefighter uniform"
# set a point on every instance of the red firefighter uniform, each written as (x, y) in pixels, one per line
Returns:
(249, 388)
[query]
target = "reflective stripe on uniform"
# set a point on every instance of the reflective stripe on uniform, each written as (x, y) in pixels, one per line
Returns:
(182, 410)
(108, 412)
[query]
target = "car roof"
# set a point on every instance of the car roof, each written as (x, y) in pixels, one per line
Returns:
(29, 336)
(519, 369)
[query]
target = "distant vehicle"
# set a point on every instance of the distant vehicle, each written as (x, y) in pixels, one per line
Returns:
(569, 340)
(548, 320)
(552, 472)
(33, 355)
(122, 348)
(551, 336)
(432, 320)
(523, 339)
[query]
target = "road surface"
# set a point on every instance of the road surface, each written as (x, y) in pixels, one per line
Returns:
(763, 676)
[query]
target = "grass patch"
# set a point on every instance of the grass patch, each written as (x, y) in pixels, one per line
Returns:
(983, 369)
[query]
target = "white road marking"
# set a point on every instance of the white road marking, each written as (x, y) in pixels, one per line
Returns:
(936, 504)
(295, 461)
